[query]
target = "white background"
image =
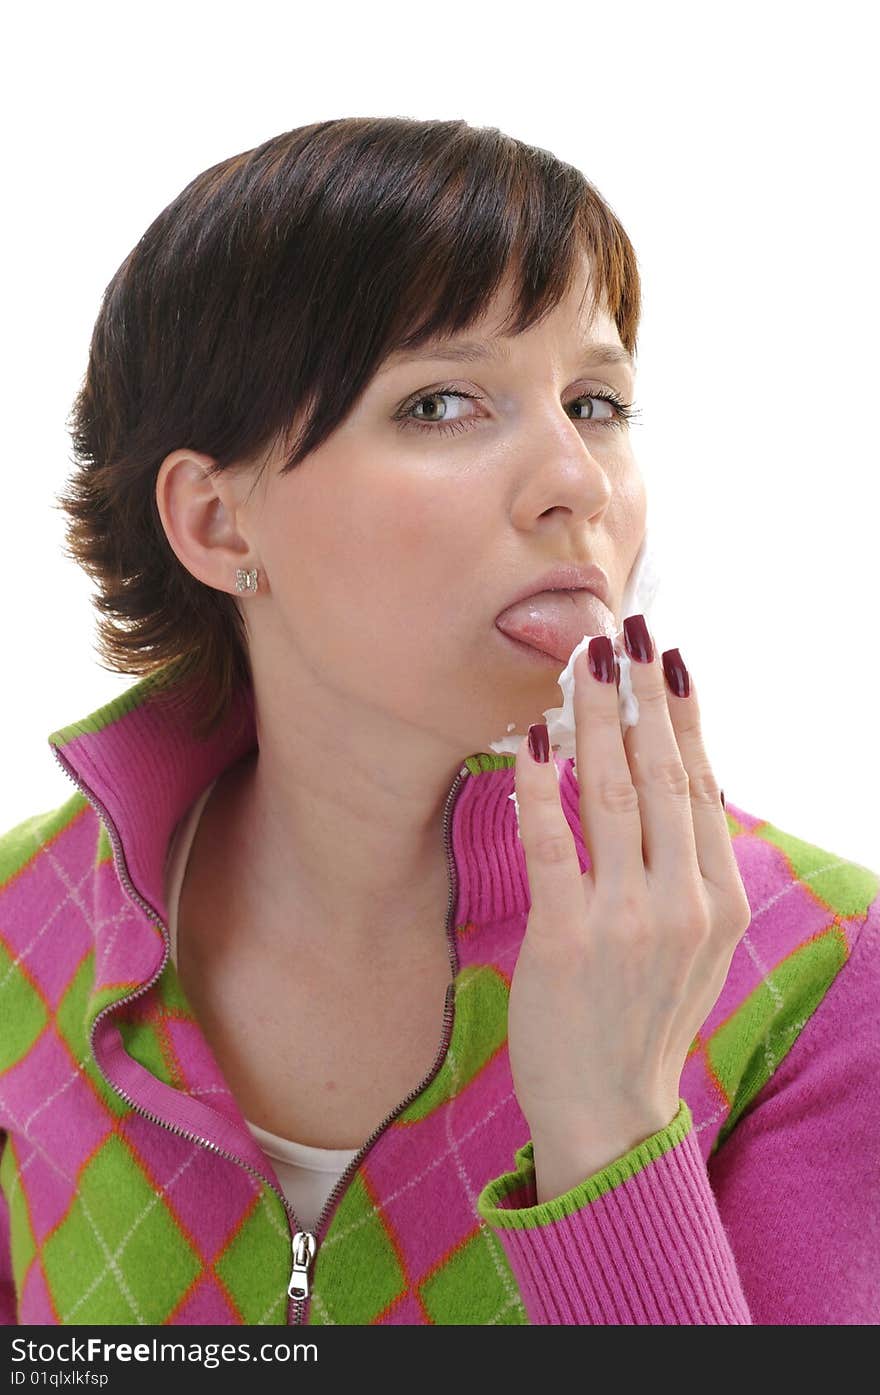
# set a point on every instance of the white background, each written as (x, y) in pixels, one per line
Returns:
(738, 148)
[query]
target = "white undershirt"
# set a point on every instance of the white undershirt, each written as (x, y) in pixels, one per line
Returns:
(307, 1175)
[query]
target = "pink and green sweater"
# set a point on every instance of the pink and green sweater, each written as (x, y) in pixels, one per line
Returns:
(132, 1190)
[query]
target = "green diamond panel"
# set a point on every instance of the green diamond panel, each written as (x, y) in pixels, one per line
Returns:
(371, 1277)
(72, 1020)
(118, 1256)
(846, 888)
(141, 1041)
(22, 1242)
(474, 1285)
(255, 1281)
(25, 1014)
(738, 1050)
(479, 1029)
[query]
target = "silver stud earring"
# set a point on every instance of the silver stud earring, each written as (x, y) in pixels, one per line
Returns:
(245, 580)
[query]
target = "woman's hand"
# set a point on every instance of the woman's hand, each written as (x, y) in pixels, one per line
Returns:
(619, 966)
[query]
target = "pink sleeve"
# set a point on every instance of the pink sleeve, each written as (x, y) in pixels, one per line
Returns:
(782, 1226)
(798, 1180)
(640, 1242)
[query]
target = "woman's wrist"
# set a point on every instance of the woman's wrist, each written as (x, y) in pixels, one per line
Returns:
(563, 1162)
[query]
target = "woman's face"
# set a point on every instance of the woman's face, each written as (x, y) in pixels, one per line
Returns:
(386, 556)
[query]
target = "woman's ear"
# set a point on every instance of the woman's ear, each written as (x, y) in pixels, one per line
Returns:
(204, 518)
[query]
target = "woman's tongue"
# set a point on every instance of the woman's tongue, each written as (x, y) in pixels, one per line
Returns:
(557, 621)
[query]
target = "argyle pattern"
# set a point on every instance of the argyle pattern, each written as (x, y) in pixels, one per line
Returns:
(113, 1214)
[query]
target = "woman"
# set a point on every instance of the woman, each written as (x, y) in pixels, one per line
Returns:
(299, 997)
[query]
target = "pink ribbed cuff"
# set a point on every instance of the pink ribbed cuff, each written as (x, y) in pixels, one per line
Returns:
(640, 1242)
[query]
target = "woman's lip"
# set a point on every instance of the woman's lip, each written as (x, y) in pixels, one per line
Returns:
(567, 576)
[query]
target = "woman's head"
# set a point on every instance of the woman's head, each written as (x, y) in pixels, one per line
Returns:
(242, 407)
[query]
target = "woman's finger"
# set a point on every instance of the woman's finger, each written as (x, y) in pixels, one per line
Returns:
(552, 865)
(609, 806)
(718, 864)
(660, 777)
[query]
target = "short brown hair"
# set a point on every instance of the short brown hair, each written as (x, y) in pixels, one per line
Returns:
(263, 299)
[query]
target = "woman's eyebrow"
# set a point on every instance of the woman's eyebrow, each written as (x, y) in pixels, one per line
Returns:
(472, 350)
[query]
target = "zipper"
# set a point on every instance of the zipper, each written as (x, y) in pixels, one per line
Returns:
(304, 1243)
(301, 1272)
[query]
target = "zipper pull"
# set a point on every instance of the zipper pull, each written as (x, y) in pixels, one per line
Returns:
(303, 1254)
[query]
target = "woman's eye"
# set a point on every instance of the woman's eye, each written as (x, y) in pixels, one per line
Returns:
(600, 409)
(441, 422)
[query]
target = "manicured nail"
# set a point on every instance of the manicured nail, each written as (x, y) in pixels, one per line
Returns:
(637, 640)
(539, 743)
(676, 674)
(601, 658)
(723, 805)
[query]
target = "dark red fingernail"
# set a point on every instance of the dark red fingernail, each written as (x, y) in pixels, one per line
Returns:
(601, 657)
(637, 640)
(676, 674)
(723, 805)
(539, 742)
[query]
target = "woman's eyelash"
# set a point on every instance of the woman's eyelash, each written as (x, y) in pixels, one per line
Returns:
(624, 411)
